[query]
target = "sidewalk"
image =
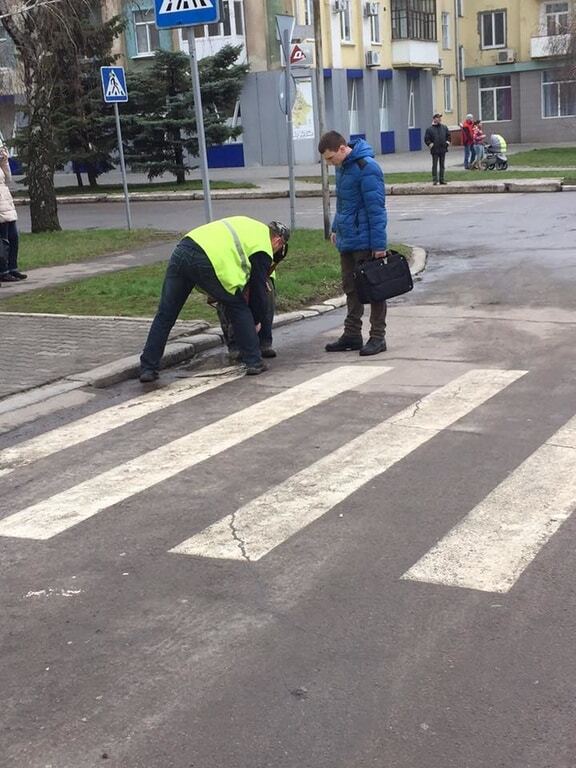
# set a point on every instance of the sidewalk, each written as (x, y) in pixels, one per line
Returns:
(272, 181)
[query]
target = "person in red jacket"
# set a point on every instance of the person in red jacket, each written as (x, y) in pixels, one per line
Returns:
(468, 140)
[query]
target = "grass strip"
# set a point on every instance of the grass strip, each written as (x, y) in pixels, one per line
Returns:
(557, 157)
(160, 186)
(451, 175)
(311, 273)
(49, 249)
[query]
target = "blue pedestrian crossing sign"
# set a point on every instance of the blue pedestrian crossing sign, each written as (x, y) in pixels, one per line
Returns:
(113, 84)
(186, 13)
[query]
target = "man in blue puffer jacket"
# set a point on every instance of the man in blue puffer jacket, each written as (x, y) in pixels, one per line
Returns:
(359, 233)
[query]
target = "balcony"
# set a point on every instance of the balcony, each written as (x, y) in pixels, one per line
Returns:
(415, 53)
(546, 46)
(414, 42)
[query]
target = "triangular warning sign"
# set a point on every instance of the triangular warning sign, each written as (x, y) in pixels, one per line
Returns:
(114, 87)
(297, 55)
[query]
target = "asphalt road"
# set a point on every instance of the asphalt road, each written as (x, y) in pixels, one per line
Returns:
(373, 568)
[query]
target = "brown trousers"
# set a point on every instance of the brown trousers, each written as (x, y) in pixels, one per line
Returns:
(353, 323)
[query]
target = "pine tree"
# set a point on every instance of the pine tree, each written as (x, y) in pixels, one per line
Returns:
(160, 124)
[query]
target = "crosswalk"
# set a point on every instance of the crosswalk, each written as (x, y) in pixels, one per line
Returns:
(488, 550)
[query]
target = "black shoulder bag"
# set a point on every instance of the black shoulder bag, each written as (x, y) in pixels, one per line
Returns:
(381, 279)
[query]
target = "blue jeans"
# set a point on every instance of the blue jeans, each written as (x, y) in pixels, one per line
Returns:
(9, 232)
(467, 155)
(189, 267)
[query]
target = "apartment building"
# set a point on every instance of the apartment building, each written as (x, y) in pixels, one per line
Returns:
(516, 75)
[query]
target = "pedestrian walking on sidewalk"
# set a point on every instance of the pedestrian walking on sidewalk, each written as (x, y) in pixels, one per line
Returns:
(223, 259)
(9, 272)
(437, 139)
(358, 232)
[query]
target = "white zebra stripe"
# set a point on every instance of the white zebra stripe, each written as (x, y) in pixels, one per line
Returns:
(66, 509)
(260, 526)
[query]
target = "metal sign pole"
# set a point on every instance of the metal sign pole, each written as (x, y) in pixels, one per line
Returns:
(200, 125)
(122, 166)
(290, 139)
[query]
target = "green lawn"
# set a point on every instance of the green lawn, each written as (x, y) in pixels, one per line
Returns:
(457, 175)
(557, 157)
(310, 273)
(165, 186)
(47, 249)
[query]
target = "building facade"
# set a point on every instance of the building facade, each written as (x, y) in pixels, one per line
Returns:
(387, 67)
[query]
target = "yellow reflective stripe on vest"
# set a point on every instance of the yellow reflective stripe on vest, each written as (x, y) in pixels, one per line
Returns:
(238, 244)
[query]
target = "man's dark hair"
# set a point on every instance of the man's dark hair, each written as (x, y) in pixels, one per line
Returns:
(331, 140)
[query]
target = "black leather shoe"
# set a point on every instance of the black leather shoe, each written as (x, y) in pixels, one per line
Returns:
(18, 275)
(267, 352)
(373, 347)
(254, 370)
(8, 277)
(443, 183)
(146, 377)
(344, 344)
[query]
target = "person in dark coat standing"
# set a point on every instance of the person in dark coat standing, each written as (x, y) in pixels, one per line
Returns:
(358, 232)
(437, 139)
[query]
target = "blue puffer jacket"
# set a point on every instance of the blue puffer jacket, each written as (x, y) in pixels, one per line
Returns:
(360, 220)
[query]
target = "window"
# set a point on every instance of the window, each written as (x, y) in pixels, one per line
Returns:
(147, 39)
(308, 12)
(413, 19)
(231, 22)
(558, 93)
(556, 19)
(375, 27)
(496, 98)
(460, 7)
(384, 111)
(493, 29)
(346, 24)
(447, 93)
(446, 42)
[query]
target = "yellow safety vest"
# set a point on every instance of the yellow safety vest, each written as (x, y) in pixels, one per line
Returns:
(229, 243)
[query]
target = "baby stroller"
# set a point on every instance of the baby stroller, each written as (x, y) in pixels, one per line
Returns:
(495, 156)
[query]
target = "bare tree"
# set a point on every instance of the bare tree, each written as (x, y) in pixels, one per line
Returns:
(45, 34)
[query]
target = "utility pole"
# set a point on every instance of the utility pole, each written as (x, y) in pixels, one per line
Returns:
(321, 112)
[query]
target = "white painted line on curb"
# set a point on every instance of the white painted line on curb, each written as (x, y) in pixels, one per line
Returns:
(495, 543)
(260, 526)
(64, 510)
(108, 419)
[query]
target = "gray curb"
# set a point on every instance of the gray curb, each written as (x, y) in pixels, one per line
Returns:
(177, 351)
(420, 188)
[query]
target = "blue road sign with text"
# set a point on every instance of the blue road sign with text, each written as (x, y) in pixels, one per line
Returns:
(113, 84)
(185, 13)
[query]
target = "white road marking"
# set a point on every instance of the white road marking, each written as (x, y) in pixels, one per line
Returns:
(107, 419)
(66, 509)
(494, 544)
(260, 526)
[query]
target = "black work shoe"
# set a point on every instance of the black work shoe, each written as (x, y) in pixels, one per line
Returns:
(267, 352)
(18, 275)
(7, 277)
(443, 183)
(146, 377)
(254, 370)
(344, 344)
(373, 347)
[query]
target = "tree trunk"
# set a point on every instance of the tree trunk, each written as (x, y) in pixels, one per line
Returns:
(92, 175)
(43, 205)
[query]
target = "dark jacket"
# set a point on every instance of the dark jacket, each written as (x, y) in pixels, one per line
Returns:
(437, 138)
(360, 220)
